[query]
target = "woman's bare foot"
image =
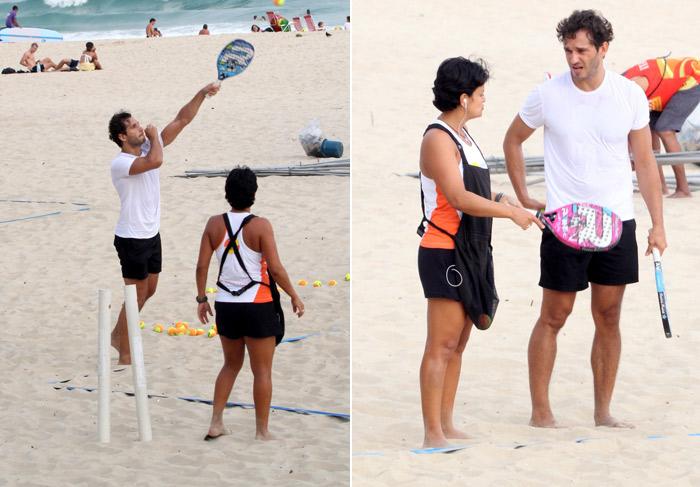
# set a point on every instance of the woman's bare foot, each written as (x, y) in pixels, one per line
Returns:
(215, 432)
(266, 436)
(611, 422)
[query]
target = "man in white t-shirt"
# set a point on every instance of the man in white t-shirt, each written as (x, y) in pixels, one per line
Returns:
(135, 176)
(589, 115)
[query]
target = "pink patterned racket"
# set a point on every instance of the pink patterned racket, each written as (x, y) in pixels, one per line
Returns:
(584, 226)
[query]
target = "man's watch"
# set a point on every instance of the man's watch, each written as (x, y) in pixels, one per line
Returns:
(203, 300)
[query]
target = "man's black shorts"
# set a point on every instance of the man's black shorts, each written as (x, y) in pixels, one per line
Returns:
(139, 257)
(566, 269)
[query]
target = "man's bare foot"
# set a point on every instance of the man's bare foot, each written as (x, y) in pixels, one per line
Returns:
(611, 422)
(435, 442)
(124, 360)
(115, 341)
(679, 194)
(266, 436)
(215, 432)
(548, 422)
(455, 434)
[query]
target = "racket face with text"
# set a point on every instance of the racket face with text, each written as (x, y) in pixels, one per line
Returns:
(234, 58)
(584, 226)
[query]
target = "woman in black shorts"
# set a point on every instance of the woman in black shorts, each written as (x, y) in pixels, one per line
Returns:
(247, 301)
(457, 193)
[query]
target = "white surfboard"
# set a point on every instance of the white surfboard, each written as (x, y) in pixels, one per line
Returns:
(29, 34)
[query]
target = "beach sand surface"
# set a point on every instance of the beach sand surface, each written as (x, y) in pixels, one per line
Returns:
(657, 384)
(55, 168)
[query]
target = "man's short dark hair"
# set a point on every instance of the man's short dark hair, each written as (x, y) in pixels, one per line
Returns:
(598, 28)
(15, 7)
(241, 185)
(455, 76)
(152, 20)
(117, 126)
(89, 46)
(205, 26)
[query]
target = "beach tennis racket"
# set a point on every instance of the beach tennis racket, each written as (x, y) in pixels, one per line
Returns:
(661, 291)
(234, 59)
(583, 226)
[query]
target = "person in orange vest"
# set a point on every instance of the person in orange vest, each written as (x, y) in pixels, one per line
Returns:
(672, 87)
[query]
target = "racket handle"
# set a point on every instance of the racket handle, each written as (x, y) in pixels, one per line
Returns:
(217, 83)
(655, 254)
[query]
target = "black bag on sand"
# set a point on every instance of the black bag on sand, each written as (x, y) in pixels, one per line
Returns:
(276, 298)
(472, 273)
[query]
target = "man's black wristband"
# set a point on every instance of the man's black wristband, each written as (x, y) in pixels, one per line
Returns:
(203, 300)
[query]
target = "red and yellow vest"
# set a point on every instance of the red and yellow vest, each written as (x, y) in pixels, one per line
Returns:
(666, 77)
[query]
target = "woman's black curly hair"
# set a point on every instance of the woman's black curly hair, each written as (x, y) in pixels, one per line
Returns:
(241, 185)
(455, 76)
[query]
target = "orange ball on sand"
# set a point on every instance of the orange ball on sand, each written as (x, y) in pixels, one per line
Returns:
(158, 328)
(172, 330)
(200, 331)
(332, 283)
(180, 331)
(302, 282)
(179, 324)
(193, 332)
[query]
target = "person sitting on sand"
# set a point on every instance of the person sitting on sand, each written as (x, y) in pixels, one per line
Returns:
(152, 30)
(88, 61)
(247, 302)
(204, 31)
(32, 64)
(11, 20)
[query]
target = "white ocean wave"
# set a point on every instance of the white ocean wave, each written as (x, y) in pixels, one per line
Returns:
(65, 3)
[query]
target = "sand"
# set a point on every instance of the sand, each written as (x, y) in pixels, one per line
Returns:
(657, 386)
(55, 167)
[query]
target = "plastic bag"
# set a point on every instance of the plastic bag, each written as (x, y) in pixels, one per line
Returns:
(689, 136)
(311, 138)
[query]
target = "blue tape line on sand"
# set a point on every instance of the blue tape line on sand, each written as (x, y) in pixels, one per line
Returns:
(452, 449)
(344, 417)
(444, 449)
(45, 214)
(305, 336)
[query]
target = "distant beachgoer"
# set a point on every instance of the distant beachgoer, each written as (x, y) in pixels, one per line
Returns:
(204, 31)
(87, 62)
(347, 23)
(247, 300)
(152, 30)
(11, 20)
(321, 26)
(263, 18)
(32, 64)
(255, 28)
(135, 175)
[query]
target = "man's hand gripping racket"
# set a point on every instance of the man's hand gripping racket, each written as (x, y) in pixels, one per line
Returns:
(233, 60)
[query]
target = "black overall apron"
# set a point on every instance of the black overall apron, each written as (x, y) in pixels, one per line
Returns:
(472, 273)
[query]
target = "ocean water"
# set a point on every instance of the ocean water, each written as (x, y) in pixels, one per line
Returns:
(118, 19)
